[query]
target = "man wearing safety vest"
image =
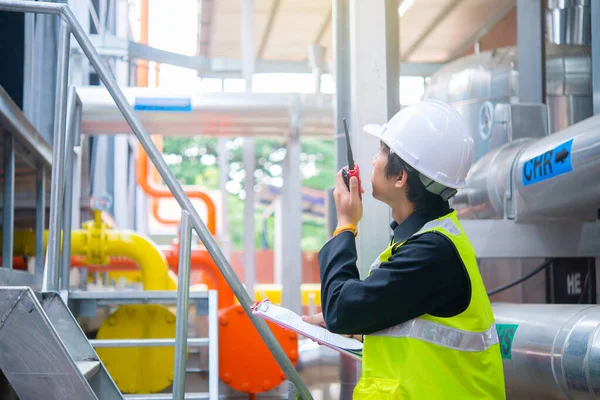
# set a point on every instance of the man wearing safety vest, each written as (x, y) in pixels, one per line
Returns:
(427, 322)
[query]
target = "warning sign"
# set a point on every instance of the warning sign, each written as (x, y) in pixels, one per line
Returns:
(554, 162)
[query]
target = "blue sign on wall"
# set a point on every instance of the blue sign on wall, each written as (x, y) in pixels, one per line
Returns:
(554, 162)
(163, 104)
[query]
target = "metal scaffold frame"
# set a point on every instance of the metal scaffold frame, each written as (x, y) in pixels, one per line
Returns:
(52, 271)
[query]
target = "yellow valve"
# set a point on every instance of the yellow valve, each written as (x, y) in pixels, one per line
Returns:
(96, 240)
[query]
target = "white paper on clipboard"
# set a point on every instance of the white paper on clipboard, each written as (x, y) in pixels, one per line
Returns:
(290, 320)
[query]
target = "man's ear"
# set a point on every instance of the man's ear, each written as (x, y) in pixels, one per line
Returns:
(401, 180)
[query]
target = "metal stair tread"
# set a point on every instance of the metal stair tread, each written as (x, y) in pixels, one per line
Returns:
(88, 368)
(165, 396)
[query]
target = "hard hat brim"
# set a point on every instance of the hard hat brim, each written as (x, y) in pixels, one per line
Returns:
(376, 130)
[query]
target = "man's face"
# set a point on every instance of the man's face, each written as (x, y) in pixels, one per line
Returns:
(383, 187)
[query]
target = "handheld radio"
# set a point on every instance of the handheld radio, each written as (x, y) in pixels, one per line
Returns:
(352, 169)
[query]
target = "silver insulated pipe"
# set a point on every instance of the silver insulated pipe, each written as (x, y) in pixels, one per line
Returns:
(568, 22)
(555, 177)
(550, 351)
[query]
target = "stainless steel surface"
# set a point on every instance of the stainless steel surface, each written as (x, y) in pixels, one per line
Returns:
(72, 130)
(88, 368)
(212, 114)
(554, 198)
(76, 343)
(183, 293)
(145, 342)
(555, 351)
(28, 160)
(34, 358)
(213, 344)
(52, 270)
(165, 396)
(495, 186)
(568, 22)
(595, 33)
(40, 219)
(138, 297)
(39, 7)
(374, 99)
(502, 239)
(13, 120)
(8, 200)
(471, 82)
(20, 278)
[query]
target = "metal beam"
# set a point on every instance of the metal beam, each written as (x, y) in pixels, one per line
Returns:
(205, 27)
(498, 15)
(110, 45)
(531, 51)
(323, 28)
(443, 14)
(268, 29)
(374, 99)
(290, 254)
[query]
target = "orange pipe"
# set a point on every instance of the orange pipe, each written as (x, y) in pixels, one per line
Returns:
(202, 260)
(161, 192)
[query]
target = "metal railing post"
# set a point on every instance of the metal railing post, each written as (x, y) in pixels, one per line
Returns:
(40, 218)
(50, 279)
(73, 128)
(183, 295)
(213, 345)
(8, 201)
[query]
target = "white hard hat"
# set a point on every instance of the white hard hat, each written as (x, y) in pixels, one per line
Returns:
(432, 138)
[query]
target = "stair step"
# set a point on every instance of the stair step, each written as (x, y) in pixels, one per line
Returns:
(88, 368)
(165, 396)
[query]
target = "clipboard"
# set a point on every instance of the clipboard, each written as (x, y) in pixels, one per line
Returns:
(292, 321)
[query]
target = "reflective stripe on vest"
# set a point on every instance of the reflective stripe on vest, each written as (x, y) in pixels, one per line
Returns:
(447, 224)
(443, 335)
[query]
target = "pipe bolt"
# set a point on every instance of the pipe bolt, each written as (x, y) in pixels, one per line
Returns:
(266, 384)
(293, 354)
(223, 320)
(226, 377)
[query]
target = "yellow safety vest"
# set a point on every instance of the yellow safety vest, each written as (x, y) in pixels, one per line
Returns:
(432, 357)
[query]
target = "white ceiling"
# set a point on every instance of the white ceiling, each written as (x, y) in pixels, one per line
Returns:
(430, 31)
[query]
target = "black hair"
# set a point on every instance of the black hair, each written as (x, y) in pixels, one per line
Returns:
(424, 201)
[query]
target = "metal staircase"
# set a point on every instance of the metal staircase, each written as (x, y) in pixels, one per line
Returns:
(44, 352)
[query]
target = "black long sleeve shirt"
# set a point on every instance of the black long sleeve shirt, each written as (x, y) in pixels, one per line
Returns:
(423, 276)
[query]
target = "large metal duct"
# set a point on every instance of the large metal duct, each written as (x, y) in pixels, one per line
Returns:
(550, 351)
(552, 178)
(475, 84)
(568, 22)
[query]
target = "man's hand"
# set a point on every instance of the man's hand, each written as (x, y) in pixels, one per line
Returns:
(347, 203)
(318, 319)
